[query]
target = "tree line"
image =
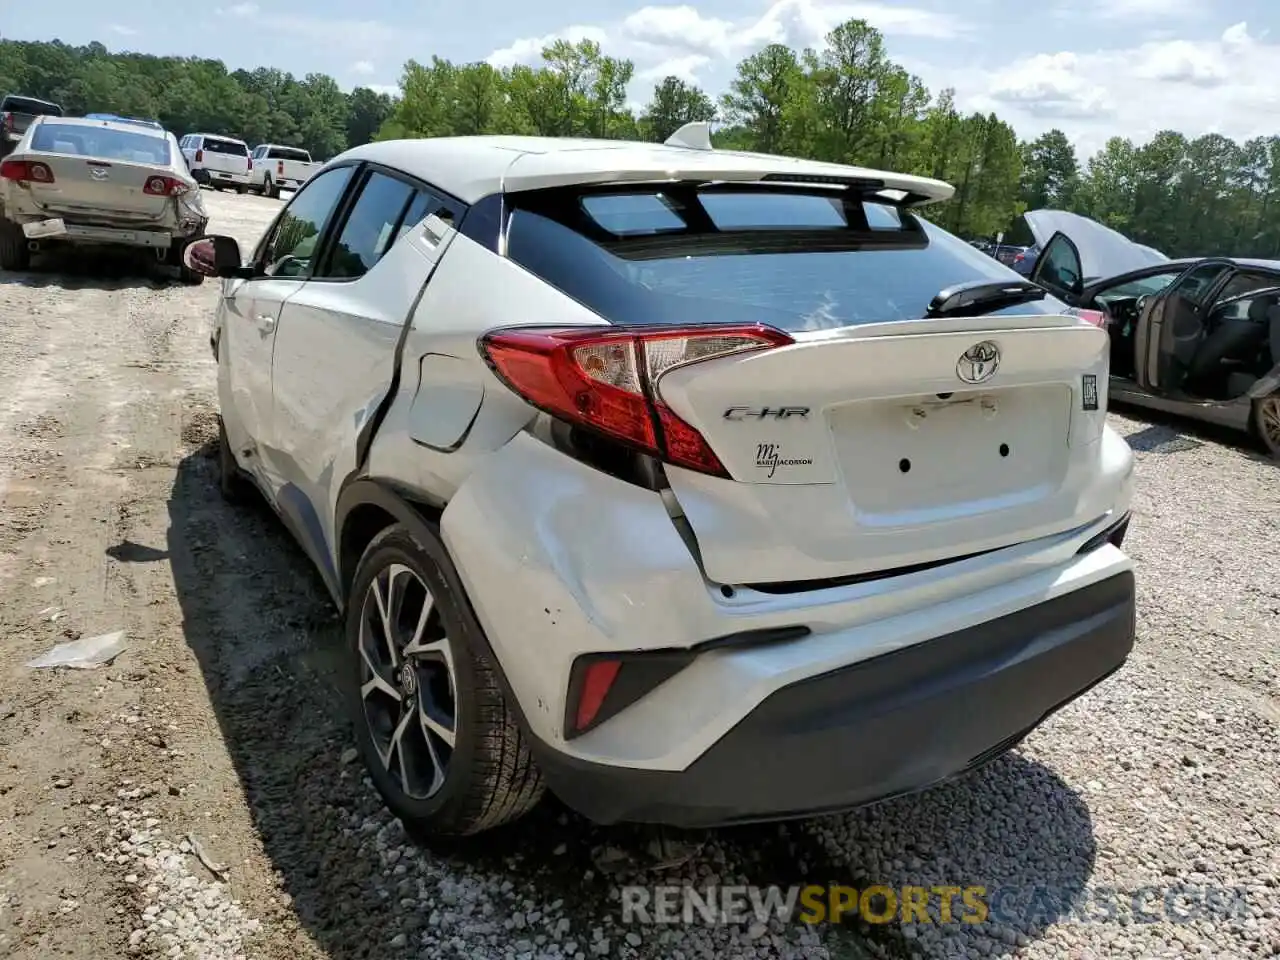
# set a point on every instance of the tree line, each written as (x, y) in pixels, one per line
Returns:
(848, 102)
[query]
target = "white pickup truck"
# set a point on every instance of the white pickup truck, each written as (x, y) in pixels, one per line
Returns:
(277, 168)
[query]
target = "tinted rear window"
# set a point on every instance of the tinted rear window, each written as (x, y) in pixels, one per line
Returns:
(101, 142)
(35, 107)
(798, 261)
(288, 153)
(214, 145)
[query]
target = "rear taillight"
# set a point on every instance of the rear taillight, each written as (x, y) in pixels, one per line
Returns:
(6, 120)
(26, 171)
(1018, 258)
(279, 168)
(606, 379)
(199, 156)
(164, 187)
(1093, 317)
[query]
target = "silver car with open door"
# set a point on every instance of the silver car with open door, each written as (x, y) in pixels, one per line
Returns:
(1197, 337)
(98, 182)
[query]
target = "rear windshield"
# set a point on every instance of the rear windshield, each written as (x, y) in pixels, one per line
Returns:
(288, 153)
(797, 261)
(234, 147)
(101, 142)
(34, 107)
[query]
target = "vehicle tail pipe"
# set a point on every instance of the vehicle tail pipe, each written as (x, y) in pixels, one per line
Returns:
(33, 246)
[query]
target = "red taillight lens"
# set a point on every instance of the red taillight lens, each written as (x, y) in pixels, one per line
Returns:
(164, 187)
(26, 171)
(280, 168)
(6, 119)
(606, 378)
(1018, 258)
(1095, 317)
(199, 156)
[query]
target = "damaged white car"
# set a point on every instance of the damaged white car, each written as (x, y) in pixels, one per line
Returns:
(101, 182)
(699, 487)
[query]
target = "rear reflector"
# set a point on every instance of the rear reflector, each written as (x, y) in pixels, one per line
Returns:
(26, 171)
(606, 378)
(597, 678)
(164, 187)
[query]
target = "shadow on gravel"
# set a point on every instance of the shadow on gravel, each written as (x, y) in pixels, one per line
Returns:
(76, 268)
(269, 646)
(1170, 433)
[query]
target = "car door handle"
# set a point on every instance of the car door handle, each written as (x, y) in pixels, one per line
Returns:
(266, 323)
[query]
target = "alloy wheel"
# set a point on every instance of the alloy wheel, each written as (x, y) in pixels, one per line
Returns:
(1269, 422)
(407, 686)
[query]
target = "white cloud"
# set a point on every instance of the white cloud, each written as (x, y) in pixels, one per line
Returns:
(362, 67)
(686, 68)
(245, 10)
(121, 30)
(677, 33)
(1218, 85)
(529, 49)
(1135, 10)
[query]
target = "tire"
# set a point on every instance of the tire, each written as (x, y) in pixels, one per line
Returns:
(489, 776)
(14, 254)
(231, 481)
(1266, 423)
(242, 190)
(269, 188)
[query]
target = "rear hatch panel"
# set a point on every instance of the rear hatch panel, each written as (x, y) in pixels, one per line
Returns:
(895, 460)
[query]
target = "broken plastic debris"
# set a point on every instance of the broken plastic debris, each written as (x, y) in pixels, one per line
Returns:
(85, 654)
(217, 869)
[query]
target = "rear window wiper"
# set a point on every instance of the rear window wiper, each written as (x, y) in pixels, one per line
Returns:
(982, 296)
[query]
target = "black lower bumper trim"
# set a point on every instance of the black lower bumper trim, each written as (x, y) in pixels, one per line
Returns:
(877, 729)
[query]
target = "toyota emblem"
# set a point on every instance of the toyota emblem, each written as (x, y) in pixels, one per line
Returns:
(979, 363)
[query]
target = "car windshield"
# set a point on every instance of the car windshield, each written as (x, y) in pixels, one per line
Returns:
(101, 142)
(798, 261)
(214, 145)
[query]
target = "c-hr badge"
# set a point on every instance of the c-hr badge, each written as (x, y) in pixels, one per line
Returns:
(979, 363)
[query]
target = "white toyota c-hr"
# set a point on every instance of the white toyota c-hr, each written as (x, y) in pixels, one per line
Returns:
(696, 486)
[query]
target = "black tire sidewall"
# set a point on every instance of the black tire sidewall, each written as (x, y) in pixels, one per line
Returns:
(14, 254)
(430, 562)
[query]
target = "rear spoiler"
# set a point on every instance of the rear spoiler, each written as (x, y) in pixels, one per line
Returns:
(702, 164)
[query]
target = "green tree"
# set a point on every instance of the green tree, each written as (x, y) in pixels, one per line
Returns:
(674, 104)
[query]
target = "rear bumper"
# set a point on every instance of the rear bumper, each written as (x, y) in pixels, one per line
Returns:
(879, 728)
(111, 236)
(205, 175)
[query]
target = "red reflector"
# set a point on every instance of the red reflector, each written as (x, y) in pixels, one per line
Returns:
(280, 168)
(26, 171)
(596, 681)
(607, 378)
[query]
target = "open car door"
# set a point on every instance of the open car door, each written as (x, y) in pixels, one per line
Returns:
(1171, 326)
(1059, 270)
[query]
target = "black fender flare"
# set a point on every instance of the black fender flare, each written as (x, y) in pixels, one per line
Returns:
(418, 516)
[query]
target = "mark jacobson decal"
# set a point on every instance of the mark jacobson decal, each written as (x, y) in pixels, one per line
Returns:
(769, 457)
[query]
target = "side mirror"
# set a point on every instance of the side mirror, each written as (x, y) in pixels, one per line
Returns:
(215, 256)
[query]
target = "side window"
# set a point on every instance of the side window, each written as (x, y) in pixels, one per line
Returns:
(1195, 285)
(370, 229)
(424, 204)
(1059, 265)
(291, 245)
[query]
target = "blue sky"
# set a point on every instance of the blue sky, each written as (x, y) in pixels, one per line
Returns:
(1095, 68)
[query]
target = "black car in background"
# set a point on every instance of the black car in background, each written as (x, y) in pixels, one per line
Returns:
(16, 114)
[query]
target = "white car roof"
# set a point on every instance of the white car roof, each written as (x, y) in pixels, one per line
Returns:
(109, 124)
(470, 168)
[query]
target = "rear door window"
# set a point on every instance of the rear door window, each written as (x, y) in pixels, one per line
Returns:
(214, 145)
(798, 260)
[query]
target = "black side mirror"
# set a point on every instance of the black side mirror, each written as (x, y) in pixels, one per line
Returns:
(215, 256)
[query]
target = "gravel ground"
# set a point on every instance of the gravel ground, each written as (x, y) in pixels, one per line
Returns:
(198, 797)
